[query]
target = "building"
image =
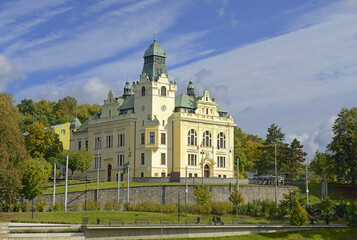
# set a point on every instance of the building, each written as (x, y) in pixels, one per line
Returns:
(156, 132)
(64, 134)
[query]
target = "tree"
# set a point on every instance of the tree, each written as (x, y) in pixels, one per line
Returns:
(65, 109)
(35, 140)
(13, 154)
(202, 198)
(343, 146)
(236, 198)
(26, 108)
(298, 215)
(77, 160)
(37, 172)
(323, 165)
(274, 135)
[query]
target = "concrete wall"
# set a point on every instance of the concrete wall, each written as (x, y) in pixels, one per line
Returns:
(168, 194)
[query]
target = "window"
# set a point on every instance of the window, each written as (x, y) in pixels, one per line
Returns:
(219, 176)
(120, 160)
(122, 177)
(79, 145)
(221, 162)
(163, 174)
(143, 138)
(163, 91)
(109, 141)
(196, 175)
(224, 176)
(86, 144)
(192, 160)
(190, 175)
(207, 111)
(142, 174)
(163, 158)
(63, 132)
(110, 113)
(98, 143)
(152, 137)
(97, 162)
(163, 122)
(121, 140)
(142, 158)
(192, 137)
(206, 98)
(221, 140)
(207, 139)
(163, 138)
(143, 91)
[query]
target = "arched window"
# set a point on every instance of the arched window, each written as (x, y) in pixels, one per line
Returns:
(163, 91)
(143, 91)
(221, 140)
(207, 139)
(192, 137)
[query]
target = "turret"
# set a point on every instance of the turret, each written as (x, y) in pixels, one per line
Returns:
(190, 89)
(127, 89)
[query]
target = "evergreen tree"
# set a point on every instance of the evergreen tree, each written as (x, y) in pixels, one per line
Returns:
(298, 215)
(236, 199)
(202, 198)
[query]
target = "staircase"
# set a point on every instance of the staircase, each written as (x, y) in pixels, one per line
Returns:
(4, 230)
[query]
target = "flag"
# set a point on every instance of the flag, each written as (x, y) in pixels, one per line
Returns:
(201, 144)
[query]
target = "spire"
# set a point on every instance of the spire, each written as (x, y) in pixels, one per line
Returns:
(155, 36)
(127, 89)
(190, 88)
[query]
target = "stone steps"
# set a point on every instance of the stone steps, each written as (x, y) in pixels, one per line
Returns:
(4, 230)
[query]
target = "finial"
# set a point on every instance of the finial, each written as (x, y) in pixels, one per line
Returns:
(154, 36)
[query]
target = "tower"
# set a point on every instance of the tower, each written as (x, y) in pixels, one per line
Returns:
(190, 89)
(127, 90)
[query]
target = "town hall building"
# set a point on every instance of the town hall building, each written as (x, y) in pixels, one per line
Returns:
(154, 133)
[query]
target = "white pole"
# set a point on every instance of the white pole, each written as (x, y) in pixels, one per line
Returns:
(128, 181)
(98, 141)
(186, 188)
(66, 187)
(276, 179)
(237, 173)
(307, 188)
(54, 185)
(161, 220)
(118, 185)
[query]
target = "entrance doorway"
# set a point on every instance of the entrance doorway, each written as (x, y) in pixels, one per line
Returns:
(207, 171)
(109, 172)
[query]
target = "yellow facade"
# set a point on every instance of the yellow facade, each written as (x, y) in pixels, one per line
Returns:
(156, 132)
(64, 134)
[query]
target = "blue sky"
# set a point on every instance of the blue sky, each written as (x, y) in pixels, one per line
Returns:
(288, 62)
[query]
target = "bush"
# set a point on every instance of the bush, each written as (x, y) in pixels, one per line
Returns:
(327, 205)
(93, 206)
(351, 214)
(221, 208)
(56, 208)
(40, 204)
(24, 207)
(112, 205)
(341, 209)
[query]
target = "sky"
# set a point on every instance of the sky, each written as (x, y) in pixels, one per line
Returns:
(288, 62)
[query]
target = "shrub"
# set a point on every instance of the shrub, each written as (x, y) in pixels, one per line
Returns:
(93, 206)
(221, 208)
(327, 205)
(24, 207)
(40, 204)
(112, 205)
(351, 214)
(341, 209)
(56, 208)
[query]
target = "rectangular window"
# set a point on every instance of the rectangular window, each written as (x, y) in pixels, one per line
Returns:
(79, 145)
(120, 159)
(121, 140)
(63, 132)
(192, 160)
(152, 137)
(190, 175)
(142, 158)
(196, 175)
(163, 138)
(109, 141)
(224, 176)
(121, 176)
(142, 174)
(86, 144)
(221, 162)
(143, 138)
(97, 162)
(98, 142)
(163, 123)
(163, 174)
(163, 158)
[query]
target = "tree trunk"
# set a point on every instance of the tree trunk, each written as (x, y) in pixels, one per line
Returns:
(299, 232)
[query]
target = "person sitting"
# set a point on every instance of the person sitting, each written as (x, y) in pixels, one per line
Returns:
(214, 220)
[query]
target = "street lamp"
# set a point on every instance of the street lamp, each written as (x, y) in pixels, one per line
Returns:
(98, 144)
(202, 152)
(276, 178)
(129, 155)
(186, 187)
(238, 173)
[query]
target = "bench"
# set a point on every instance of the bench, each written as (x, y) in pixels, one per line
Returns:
(142, 221)
(116, 221)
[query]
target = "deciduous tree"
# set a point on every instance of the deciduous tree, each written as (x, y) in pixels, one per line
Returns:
(202, 198)
(298, 215)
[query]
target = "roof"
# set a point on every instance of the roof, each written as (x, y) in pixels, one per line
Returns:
(128, 103)
(185, 101)
(221, 110)
(57, 126)
(75, 124)
(154, 49)
(84, 126)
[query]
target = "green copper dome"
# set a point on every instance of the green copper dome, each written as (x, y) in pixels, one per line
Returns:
(154, 49)
(75, 124)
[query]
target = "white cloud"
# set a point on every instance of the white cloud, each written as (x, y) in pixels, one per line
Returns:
(8, 72)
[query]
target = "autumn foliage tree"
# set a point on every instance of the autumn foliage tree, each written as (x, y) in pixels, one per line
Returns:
(13, 154)
(202, 198)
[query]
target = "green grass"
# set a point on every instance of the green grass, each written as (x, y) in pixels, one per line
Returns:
(75, 217)
(319, 234)
(335, 191)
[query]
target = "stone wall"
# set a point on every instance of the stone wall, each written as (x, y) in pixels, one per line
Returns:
(168, 194)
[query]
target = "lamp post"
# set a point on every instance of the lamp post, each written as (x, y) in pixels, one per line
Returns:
(276, 178)
(54, 186)
(238, 173)
(129, 155)
(186, 187)
(98, 144)
(307, 186)
(202, 152)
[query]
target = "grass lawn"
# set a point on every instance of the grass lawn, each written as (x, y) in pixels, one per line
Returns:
(319, 234)
(75, 217)
(335, 191)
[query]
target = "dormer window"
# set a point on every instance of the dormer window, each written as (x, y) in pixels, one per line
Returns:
(143, 91)
(206, 99)
(163, 91)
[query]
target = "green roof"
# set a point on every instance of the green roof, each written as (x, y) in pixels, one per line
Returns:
(128, 103)
(185, 101)
(221, 110)
(75, 124)
(155, 49)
